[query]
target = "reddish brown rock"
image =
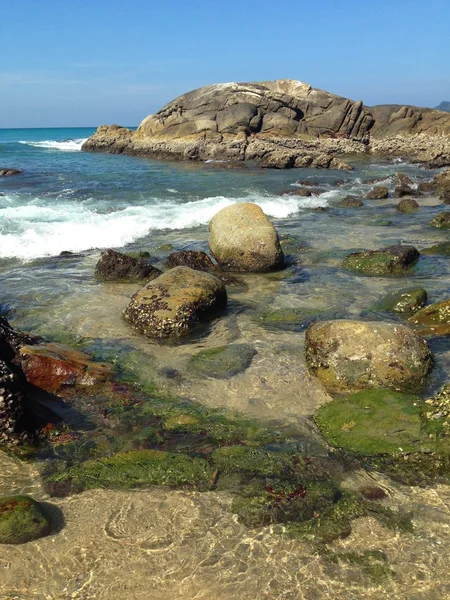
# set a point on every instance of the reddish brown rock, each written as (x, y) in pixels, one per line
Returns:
(52, 367)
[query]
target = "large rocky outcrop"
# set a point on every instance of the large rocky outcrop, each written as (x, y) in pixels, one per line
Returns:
(282, 123)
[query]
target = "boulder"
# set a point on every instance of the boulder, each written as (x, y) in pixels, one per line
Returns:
(441, 221)
(278, 159)
(379, 192)
(442, 185)
(243, 239)
(350, 202)
(175, 302)
(407, 205)
(433, 319)
(355, 355)
(426, 186)
(53, 367)
(393, 260)
(9, 172)
(301, 191)
(222, 362)
(114, 265)
(22, 519)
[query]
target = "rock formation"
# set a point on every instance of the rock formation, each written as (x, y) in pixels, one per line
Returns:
(278, 124)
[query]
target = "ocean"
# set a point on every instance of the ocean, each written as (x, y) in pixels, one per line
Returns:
(178, 543)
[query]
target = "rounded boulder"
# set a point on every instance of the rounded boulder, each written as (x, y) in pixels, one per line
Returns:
(355, 355)
(243, 239)
(175, 302)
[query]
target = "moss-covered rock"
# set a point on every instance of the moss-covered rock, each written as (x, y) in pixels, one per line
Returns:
(373, 422)
(22, 519)
(433, 319)
(222, 362)
(393, 260)
(256, 461)
(174, 303)
(406, 301)
(373, 564)
(133, 469)
(407, 205)
(441, 221)
(379, 192)
(353, 355)
(442, 249)
(295, 319)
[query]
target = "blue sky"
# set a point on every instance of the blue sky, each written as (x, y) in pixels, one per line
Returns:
(84, 63)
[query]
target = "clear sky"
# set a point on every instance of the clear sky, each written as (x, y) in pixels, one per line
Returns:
(89, 62)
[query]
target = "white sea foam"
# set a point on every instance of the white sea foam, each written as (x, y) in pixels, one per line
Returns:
(66, 145)
(38, 229)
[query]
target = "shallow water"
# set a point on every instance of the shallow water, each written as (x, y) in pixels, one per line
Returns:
(158, 543)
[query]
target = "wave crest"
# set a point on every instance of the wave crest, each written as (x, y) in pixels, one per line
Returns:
(66, 145)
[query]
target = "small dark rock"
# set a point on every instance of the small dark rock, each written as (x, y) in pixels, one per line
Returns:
(114, 265)
(373, 492)
(407, 205)
(9, 172)
(193, 259)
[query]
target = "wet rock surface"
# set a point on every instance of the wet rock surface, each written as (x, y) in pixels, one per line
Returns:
(4, 172)
(114, 265)
(222, 362)
(175, 302)
(404, 301)
(393, 260)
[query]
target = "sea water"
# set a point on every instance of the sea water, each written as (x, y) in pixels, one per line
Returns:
(182, 544)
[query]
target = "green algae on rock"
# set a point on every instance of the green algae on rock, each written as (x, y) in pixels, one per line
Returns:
(257, 461)
(222, 362)
(433, 319)
(295, 319)
(353, 355)
(393, 260)
(133, 469)
(175, 302)
(374, 564)
(373, 422)
(22, 519)
(441, 221)
(404, 301)
(441, 249)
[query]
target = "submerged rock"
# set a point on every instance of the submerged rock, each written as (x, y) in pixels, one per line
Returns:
(404, 186)
(442, 249)
(404, 301)
(8, 172)
(407, 205)
(296, 319)
(441, 221)
(52, 367)
(373, 422)
(222, 362)
(393, 260)
(433, 319)
(22, 519)
(350, 202)
(354, 355)
(114, 265)
(379, 192)
(175, 302)
(243, 239)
